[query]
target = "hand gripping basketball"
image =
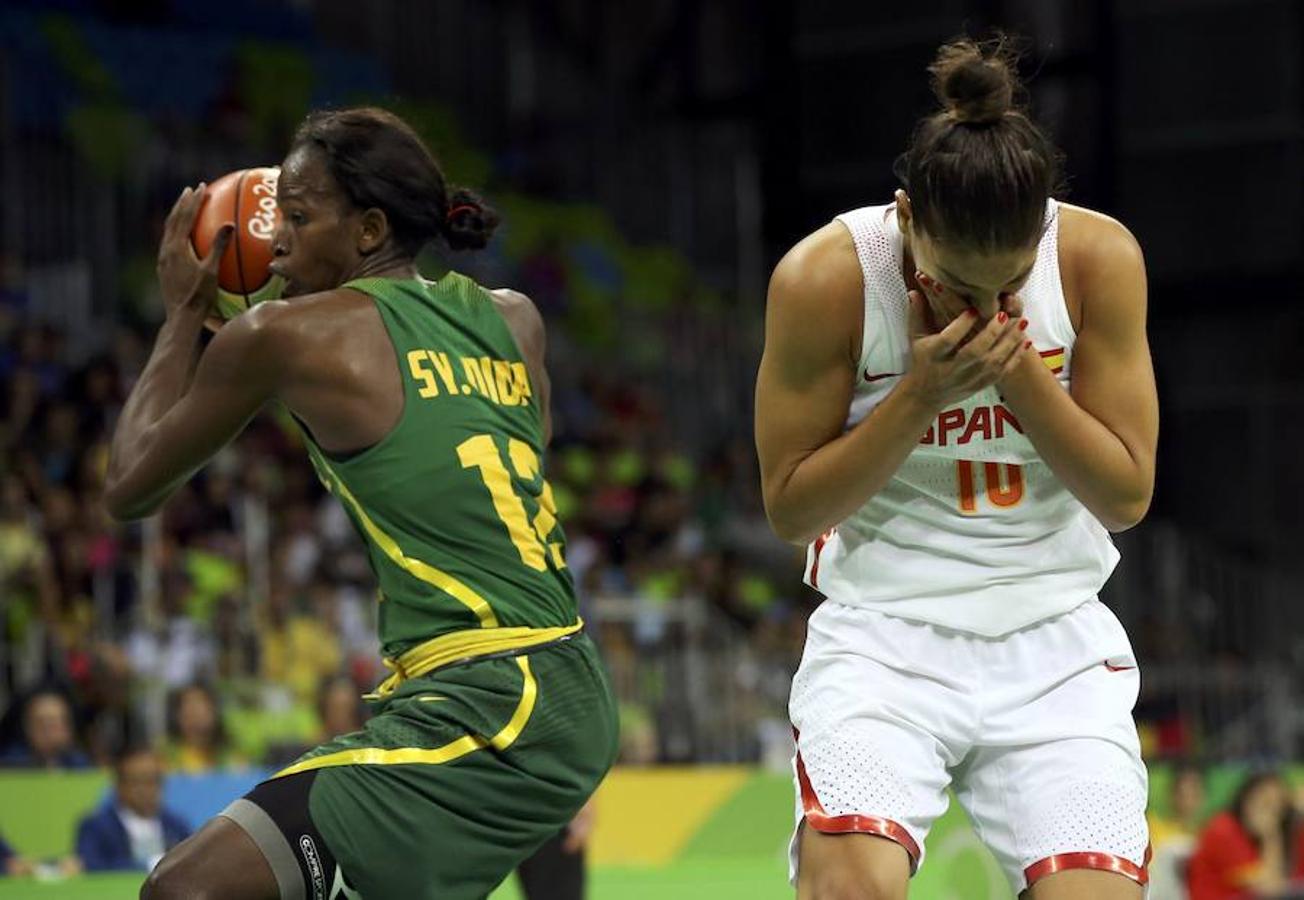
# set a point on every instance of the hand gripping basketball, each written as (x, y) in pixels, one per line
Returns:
(188, 283)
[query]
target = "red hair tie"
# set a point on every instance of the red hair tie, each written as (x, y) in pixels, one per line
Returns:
(457, 209)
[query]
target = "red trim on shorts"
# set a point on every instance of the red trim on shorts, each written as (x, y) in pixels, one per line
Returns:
(853, 823)
(815, 565)
(1104, 862)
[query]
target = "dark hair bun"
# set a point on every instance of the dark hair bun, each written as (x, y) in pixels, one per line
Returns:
(975, 82)
(469, 222)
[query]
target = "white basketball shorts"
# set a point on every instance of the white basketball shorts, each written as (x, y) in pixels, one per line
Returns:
(1032, 730)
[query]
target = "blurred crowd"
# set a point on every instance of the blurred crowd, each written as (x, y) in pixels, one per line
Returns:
(1252, 847)
(220, 628)
(251, 584)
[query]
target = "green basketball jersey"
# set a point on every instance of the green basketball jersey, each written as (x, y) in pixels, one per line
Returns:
(459, 522)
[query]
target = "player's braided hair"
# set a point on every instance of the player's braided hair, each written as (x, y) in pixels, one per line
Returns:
(979, 170)
(379, 161)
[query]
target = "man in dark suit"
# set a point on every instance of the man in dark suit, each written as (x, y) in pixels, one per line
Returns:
(131, 830)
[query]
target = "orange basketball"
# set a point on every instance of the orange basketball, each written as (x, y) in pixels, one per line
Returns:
(247, 198)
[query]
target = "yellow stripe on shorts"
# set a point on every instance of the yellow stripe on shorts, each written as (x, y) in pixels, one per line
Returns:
(380, 756)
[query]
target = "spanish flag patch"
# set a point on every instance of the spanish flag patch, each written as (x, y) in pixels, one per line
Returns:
(1054, 359)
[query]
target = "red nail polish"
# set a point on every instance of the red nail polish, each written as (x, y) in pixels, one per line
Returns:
(1027, 345)
(1023, 325)
(1002, 317)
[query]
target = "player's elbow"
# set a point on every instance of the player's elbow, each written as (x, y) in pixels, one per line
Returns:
(789, 517)
(792, 533)
(1125, 515)
(121, 507)
(787, 524)
(124, 505)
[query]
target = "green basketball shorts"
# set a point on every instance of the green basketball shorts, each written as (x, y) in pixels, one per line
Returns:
(457, 778)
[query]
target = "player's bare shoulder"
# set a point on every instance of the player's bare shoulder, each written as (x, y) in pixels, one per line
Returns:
(312, 317)
(523, 320)
(818, 287)
(1098, 256)
(334, 330)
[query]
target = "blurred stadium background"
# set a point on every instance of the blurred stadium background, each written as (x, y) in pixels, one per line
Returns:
(651, 162)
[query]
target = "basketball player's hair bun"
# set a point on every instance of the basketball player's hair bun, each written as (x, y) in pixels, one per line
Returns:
(469, 222)
(975, 82)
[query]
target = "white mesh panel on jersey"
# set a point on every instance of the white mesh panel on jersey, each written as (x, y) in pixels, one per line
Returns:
(1086, 816)
(1045, 277)
(850, 775)
(877, 253)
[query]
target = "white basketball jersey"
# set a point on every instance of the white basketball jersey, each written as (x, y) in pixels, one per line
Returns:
(973, 532)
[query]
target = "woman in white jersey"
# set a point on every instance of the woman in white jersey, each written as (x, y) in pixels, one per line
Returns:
(954, 407)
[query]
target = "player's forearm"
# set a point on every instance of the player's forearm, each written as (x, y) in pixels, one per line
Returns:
(832, 482)
(163, 382)
(1093, 462)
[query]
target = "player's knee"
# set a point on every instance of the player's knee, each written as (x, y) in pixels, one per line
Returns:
(156, 887)
(169, 882)
(161, 886)
(847, 884)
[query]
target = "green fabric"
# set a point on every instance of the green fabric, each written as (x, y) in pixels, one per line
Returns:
(454, 830)
(458, 483)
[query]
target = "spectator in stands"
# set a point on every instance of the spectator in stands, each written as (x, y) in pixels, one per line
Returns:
(11, 863)
(180, 650)
(48, 739)
(1253, 849)
(339, 707)
(1173, 836)
(27, 576)
(338, 710)
(132, 830)
(197, 735)
(299, 636)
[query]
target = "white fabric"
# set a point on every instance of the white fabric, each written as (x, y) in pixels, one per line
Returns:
(146, 837)
(1033, 731)
(1015, 549)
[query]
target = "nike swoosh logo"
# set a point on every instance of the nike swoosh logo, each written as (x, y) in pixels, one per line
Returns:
(869, 377)
(1113, 668)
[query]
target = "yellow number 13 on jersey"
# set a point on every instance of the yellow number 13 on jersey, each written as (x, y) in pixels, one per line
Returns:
(529, 537)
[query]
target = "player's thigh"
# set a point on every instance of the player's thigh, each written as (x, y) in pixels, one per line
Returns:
(218, 861)
(428, 812)
(850, 867)
(874, 738)
(1084, 884)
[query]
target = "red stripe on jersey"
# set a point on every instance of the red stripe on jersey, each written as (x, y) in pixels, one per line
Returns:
(815, 565)
(1105, 862)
